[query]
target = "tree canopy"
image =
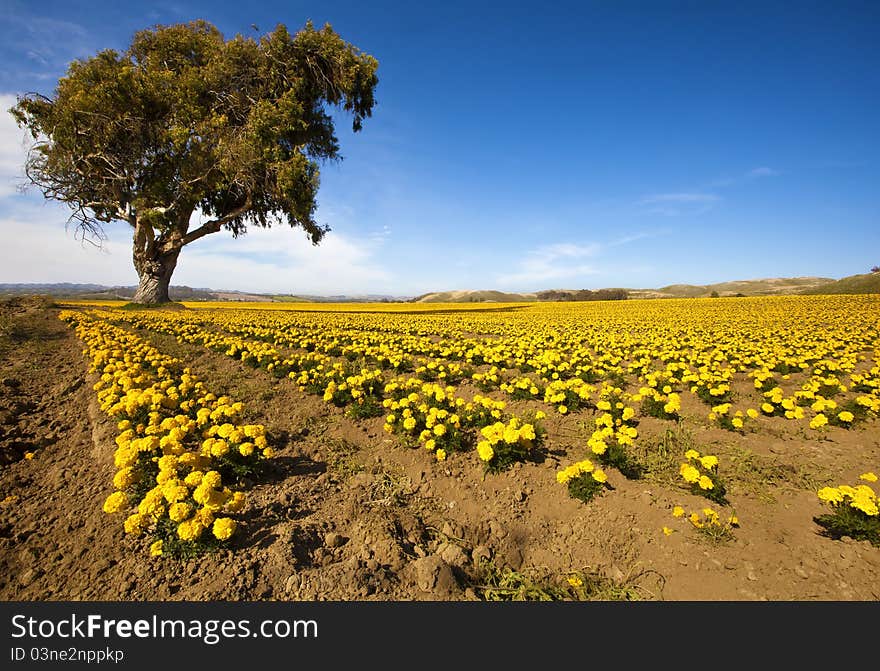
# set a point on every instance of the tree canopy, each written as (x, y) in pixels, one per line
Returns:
(186, 120)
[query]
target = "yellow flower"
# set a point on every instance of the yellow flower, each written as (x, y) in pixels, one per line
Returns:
(709, 462)
(223, 528)
(865, 504)
(575, 582)
(115, 502)
(190, 530)
(156, 548)
(599, 475)
(441, 454)
(667, 531)
(751, 412)
(691, 454)
(677, 511)
(868, 477)
(598, 446)
(562, 409)
(179, 511)
(689, 473)
(485, 451)
(236, 502)
(135, 524)
(706, 482)
(818, 421)
(830, 495)
(845, 416)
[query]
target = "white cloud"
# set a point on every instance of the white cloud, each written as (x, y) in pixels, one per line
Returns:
(38, 248)
(281, 260)
(13, 148)
(562, 261)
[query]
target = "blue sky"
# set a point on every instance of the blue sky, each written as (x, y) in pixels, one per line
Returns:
(525, 146)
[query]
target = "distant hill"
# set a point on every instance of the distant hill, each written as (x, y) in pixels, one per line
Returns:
(102, 292)
(341, 298)
(474, 296)
(763, 287)
(854, 284)
(182, 293)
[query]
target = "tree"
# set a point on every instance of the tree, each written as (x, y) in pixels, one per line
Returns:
(187, 121)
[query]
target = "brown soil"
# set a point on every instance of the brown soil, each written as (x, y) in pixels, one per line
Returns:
(347, 512)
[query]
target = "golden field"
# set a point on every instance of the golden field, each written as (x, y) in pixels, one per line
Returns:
(630, 436)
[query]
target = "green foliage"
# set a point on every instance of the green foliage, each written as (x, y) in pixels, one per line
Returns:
(186, 119)
(585, 487)
(365, 407)
(617, 457)
(847, 521)
(496, 583)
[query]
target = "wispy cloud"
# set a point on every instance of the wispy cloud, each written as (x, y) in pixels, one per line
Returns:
(681, 198)
(701, 199)
(635, 237)
(680, 203)
(763, 171)
(49, 44)
(561, 261)
(749, 175)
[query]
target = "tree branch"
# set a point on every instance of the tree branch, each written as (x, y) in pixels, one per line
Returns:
(209, 227)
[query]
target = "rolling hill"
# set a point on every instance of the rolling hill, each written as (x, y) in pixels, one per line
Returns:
(868, 283)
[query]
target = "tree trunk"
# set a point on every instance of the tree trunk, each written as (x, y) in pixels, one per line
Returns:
(155, 276)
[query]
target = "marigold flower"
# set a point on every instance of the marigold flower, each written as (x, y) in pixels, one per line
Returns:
(689, 473)
(115, 502)
(485, 451)
(818, 421)
(709, 462)
(223, 528)
(830, 495)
